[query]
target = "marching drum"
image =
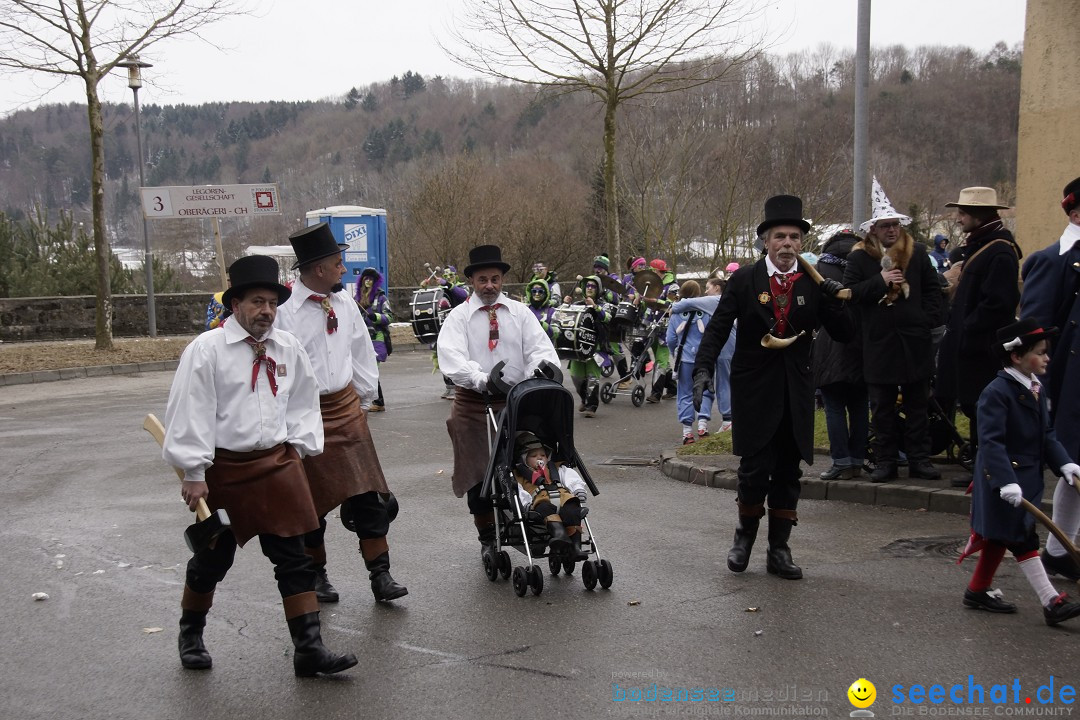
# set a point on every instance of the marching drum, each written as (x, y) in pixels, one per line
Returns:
(626, 315)
(575, 332)
(429, 309)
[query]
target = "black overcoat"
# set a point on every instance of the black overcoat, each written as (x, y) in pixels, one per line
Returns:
(762, 380)
(896, 343)
(836, 362)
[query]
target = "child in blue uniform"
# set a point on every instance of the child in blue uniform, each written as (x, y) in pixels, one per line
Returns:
(1016, 441)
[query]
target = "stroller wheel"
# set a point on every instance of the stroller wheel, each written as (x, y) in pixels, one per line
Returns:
(606, 395)
(588, 574)
(554, 564)
(638, 396)
(504, 563)
(606, 574)
(606, 370)
(536, 580)
(966, 457)
(521, 582)
(568, 566)
(490, 565)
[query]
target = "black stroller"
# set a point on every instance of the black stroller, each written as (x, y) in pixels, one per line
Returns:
(545, 408)
(639, 340)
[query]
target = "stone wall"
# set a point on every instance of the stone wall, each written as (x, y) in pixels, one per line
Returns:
(67, 318)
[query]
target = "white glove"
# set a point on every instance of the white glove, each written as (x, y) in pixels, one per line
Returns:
(1071, 473)
(1011, 494)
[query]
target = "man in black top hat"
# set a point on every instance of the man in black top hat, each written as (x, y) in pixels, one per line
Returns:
(242, 413)
(1051, 287)
(477, 335)
(333, 331)
(777, 307)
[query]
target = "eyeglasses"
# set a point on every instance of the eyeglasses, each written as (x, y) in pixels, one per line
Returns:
(887, 225)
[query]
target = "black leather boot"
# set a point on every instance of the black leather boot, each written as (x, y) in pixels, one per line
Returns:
(383, 586)
(558, 542)
(324, 591)
(778, 560)
(485, 531)
(193, 654)
(311, 656)
(745, 534)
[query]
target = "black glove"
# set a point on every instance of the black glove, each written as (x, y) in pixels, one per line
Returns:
(703, 380)
(831, 287)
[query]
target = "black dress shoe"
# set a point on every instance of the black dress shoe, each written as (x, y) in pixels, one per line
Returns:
(1062, 565)
(1060, 610)
(983, 600)
(836, 472)
(884, 472)
(923, 469)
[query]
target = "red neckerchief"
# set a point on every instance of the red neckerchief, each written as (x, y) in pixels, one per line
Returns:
(260, 358)
(781, 286)
(331, 316)
(493, 324)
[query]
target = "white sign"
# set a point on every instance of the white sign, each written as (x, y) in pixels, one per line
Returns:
(203, 201)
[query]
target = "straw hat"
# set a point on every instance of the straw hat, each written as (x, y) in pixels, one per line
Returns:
(978, 197)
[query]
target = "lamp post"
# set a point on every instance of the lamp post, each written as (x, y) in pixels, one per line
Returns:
(134, 67)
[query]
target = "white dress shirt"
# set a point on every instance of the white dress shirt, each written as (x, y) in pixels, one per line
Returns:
(1069, 237)
(212, 405)
(771, 269)
(464, 356)
(337, 358)
(1026, 380)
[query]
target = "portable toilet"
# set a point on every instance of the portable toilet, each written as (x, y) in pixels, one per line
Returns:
(363, 229)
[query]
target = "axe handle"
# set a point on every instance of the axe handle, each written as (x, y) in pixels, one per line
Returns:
(1064, 539)
(153, 426)
(812, 271)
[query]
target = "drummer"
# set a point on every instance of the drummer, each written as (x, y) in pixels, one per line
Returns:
(657, 312)
(602, 269)
(457, 292)
(586, 373)
(540, 272)
(539, 297)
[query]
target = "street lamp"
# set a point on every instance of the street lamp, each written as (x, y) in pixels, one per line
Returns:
(134, 67)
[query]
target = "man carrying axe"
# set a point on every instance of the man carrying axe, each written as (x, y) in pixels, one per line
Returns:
(243, 410)
(333, 332)
(778, 305)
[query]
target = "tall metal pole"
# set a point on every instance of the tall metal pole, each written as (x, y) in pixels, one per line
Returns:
(860, 189)
(148, 254)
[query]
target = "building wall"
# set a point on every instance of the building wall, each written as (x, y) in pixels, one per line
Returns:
(1048, 154)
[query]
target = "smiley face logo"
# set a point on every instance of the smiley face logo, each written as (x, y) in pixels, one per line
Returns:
(862, 693)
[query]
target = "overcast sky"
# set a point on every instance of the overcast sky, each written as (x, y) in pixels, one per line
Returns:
(316, 49)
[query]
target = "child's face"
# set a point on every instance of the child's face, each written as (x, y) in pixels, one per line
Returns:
(1035, 360)
(535, 456)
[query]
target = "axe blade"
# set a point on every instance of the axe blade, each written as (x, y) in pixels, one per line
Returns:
(202, 534)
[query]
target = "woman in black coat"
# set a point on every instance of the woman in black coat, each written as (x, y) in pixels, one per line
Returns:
(838, 374)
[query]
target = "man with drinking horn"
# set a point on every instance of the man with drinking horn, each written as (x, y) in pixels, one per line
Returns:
(777, 307)
(242, 413)
(485, 331)
(333, 331)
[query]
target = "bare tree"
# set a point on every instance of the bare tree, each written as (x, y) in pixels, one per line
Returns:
(87, 39)
(617, 50)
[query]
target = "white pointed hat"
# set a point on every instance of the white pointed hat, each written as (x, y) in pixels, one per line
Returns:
(881, 209)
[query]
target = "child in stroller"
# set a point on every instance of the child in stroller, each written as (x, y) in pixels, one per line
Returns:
(534, 432)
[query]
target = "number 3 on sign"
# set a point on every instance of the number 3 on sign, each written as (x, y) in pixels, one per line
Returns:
(157, 202)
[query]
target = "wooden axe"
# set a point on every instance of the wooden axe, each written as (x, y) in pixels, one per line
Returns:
(203, 533)
(1064, 539)
(812, 271)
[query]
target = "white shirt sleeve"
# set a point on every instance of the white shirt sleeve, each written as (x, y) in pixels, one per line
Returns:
(191, 415)
(303, 415)
(365, 368)
(453, 351)
(536, 345)
(573, 482)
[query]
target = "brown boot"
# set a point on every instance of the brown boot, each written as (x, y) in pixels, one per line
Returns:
(194, 607)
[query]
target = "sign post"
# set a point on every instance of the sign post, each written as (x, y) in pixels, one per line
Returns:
(211, 201)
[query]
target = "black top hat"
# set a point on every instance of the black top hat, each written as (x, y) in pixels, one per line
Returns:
(483, 256)
(314, 243)
(1071, 196)
(783, 210)
(1025, 331)
(254, 271)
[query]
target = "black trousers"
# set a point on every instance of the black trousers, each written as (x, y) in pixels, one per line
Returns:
(369, 514)
(773, 472)
(292, 568)
(886, 428)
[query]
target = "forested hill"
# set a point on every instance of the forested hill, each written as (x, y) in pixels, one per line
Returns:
(456, 163)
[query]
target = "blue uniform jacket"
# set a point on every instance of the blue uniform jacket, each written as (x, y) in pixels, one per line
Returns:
(1016, 441)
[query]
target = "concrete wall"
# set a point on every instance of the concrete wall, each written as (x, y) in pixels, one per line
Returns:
(67, 318)
(1049, 109)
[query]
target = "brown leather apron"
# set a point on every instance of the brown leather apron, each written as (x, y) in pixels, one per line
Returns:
(264, 492)
(348, 464)
(468, 429)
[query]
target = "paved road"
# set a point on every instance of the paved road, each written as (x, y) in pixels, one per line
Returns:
(93, 518)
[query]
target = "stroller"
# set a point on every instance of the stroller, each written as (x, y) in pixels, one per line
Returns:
(544, 407)
(639, 340)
